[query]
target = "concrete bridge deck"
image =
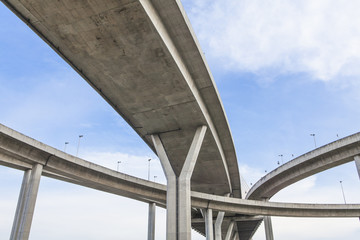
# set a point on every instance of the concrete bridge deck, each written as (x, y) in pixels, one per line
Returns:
(331, 155)
(143, 58)
(21, 152)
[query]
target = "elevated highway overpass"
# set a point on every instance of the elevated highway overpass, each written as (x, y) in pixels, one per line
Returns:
(21, 152)
(143, 58)
(331, 155)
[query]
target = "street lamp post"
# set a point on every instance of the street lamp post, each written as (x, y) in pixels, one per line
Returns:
(281, 156)
(149, 160)
(118, 164)
(66, 143)
(342, 190)
(313, 135)
(77, 151)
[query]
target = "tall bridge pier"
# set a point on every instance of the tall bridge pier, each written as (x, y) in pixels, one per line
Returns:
(26, 203)
(178, 199)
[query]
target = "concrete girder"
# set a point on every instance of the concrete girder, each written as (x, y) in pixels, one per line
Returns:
(73, 41)
(69, 168)
(161, 29)
(91, 175)
(331, 155)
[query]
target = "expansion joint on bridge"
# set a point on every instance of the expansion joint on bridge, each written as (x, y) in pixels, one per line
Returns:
(178, 199)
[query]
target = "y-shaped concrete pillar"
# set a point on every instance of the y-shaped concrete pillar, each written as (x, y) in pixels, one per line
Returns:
(27, 203)
(229, 231)
(151, 221)
(218, 223)
(209, 224)
(357, 163)
(20, 205)
(178, 197)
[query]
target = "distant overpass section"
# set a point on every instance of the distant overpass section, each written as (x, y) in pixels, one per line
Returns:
(331, 155)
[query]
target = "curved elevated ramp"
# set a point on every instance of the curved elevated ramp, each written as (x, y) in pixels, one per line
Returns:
(331, 155)
(143, 59)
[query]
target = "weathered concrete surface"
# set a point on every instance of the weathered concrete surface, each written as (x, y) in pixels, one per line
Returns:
(15, 231)
(151, 221)
(318, 160)
(357, 164)
(142, 57)
(59, 165)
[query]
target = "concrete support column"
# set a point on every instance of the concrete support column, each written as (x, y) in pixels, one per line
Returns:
(178, 198)
(357, 163)
(26, 215)
(20, 205)
(151, 221)
(209, 229)
(171, 201)
(268, 228)
(218, 223)
(230, 230)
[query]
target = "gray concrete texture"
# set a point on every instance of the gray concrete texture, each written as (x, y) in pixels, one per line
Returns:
(143, 58)
(331, 155)
(21, 152)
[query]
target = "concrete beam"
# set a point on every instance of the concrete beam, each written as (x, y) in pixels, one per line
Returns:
(151, 221)
(331, 155)
(69, 168)
(168, 41)
(230, 218)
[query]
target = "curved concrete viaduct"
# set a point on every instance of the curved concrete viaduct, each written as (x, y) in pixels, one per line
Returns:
(143, 58)
(331, 155)
(21, 152)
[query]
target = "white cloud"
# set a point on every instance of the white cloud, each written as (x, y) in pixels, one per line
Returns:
(319, 38)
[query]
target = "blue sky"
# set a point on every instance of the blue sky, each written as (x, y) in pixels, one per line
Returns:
(284, 70)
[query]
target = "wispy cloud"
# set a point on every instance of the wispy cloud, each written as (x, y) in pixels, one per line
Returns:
(317, 38)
